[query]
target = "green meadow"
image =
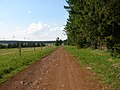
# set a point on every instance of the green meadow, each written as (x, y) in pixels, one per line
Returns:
(11, 62)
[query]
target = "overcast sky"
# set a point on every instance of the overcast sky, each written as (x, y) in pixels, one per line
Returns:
(32, 19)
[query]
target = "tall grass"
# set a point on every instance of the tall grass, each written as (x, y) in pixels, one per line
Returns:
(12, 63)
(100, 62)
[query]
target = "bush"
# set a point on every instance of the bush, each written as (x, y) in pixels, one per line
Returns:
(115, 52)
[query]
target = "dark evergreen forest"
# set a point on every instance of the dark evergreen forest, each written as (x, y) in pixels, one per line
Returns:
(94, 24)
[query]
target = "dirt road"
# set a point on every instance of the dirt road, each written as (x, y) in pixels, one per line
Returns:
(57, 71)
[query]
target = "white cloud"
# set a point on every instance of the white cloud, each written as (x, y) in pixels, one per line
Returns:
(1, 22)
(54, 28)
(44, 35)
(36, 31)
(34, 27)
(29, 12)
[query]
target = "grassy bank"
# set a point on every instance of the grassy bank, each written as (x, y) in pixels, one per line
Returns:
(100, 62)
(12, 63)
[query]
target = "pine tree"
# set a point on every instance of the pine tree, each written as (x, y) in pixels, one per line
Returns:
(94, 23)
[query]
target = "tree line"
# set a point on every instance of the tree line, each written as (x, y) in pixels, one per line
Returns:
(21, 44)
(94, 23)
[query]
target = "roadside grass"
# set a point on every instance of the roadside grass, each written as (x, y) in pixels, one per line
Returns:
(100, 62)
(13, 63)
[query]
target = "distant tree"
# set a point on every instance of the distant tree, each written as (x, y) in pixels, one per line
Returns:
(65, 42)
(58, 42)
(42, 44)
(9, 45)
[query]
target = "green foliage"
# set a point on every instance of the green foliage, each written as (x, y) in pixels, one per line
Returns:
(100, 62)
(93, 23)
(116, 51)
(58, 42)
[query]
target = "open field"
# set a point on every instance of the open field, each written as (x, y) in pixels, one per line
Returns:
(16, 50)
(11, 62)
(100, 62)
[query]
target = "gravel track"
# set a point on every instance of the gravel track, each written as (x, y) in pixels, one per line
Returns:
(57, 71)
